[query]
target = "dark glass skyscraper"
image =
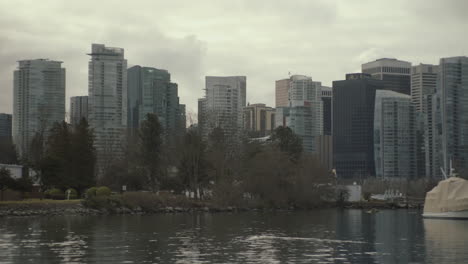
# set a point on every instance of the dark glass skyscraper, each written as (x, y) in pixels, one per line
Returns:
(150, 90)
(353, 125)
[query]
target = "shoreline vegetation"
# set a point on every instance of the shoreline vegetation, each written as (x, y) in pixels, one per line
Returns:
(134, 203)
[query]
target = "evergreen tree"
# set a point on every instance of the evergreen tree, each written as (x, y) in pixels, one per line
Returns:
(150, 146)
(287, 142)
(83, 157)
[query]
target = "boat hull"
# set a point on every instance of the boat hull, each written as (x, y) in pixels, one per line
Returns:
(447, 215)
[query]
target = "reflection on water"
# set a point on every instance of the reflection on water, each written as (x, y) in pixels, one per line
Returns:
(446, 240)
(321, 236)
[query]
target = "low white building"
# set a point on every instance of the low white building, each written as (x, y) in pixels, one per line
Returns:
(16, 171)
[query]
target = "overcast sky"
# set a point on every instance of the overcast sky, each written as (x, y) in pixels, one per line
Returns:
(263, 40)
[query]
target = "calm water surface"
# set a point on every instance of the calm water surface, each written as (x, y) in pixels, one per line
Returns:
(321, 236)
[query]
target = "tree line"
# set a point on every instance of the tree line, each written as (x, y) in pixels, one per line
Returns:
(275, 173)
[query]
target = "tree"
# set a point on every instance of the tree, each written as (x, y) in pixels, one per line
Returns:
(287, 142)
(56, 166)
(192, 167)
(83, 157)
(8, 153)
(5, 180)
(150, 146)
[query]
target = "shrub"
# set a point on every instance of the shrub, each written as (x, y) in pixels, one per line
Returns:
(73, 193)
(103, 191)
(91, 192)
(55, 194)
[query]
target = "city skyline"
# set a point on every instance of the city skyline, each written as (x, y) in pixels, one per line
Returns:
(201, 48)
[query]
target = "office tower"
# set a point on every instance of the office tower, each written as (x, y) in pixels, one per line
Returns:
(327, 93)
(38, 100)
(5, 127)
(201, 116)
(394, 136)
(281, 115)
(433, 151)
(353, 105)
(107, 101)
(259, 120)
(225, 101)
(453, 88)
(182, 119)
(305, 110)
(150, 90)
(78, 109)
(423, 87)
(282, 92)
(423, 83)
(324, 145)
(395, 74)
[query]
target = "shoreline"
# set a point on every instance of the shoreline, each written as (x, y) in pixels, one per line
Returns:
(76, 207)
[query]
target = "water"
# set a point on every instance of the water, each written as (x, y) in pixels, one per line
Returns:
(321, 236)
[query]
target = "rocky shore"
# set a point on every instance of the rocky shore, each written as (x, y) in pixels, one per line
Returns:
(24, 209)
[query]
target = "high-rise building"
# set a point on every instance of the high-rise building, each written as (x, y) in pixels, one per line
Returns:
(107, 101)
(182, 119)
(282, 92)
(423, 83)
(150, 90)
(394, 136)
(353, 125)
(395, 74)
(305, 113)
(327, 93)
(423, 86)
(5, 127)
(453, 88)
(202, 116)
(38, 100)
(432, 132)
(259, 120)
(225, 101)
(78, 109)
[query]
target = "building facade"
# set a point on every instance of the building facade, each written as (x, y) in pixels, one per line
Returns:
(423, 87)
(38, 100)
(5, 127)
(394, 136)
(353, 126)
(259, 120)
(327, 93)
(150, 90)
(453, 87)
(395, 74)
(282, 92)
(107, 101)
(305, 110)
(78, 109)
(225, 101)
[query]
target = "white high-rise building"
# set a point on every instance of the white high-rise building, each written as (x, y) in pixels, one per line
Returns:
(394, 136)
(78, 109)
(306, 110)
(225, 101)
(38, 100)
(107, 100)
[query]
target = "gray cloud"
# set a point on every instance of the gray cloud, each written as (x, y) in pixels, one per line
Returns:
(263, 40)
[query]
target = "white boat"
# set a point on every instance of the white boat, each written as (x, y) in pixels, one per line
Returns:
(449, 199)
